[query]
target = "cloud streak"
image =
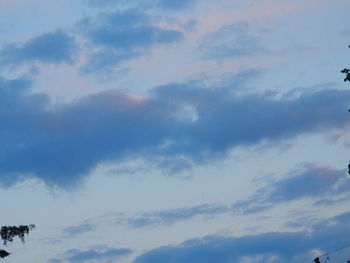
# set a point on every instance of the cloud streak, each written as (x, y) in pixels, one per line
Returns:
(171, 216)
(102, 255)
(322, 185)
(319, 183)
(274, 247)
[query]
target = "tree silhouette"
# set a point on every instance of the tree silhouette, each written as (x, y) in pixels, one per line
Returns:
(347, 78)
(347, 72)
(8, 233)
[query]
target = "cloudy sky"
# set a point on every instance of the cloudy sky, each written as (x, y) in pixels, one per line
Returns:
(175, 131)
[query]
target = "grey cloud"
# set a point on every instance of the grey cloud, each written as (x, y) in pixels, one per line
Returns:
(274, 247)
(60, 144)
(72, 231)
(49, 48)
(177, 4)
(104, 59)
(51, 241)
(123, 35)
(168, 217)
(316, 183)
(319, 183)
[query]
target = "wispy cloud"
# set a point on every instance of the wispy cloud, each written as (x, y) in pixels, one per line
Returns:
(321, 185)
(233, 41)
(171, 216)
(316, 183)
(73, 231)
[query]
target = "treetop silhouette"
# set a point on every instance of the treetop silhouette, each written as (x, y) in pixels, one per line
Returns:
(8, 233)
(347, 72)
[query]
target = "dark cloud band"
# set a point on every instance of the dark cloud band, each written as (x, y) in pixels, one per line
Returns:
(61, 143)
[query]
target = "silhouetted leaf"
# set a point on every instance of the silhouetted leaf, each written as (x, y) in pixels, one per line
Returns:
(3, 253)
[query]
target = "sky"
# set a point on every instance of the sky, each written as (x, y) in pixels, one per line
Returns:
(175, 131)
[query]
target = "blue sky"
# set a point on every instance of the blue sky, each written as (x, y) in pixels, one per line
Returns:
(173, 131)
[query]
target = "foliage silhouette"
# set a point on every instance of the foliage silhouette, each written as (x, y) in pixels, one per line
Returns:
(347, 72)
(8, 233)
(347, 78)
